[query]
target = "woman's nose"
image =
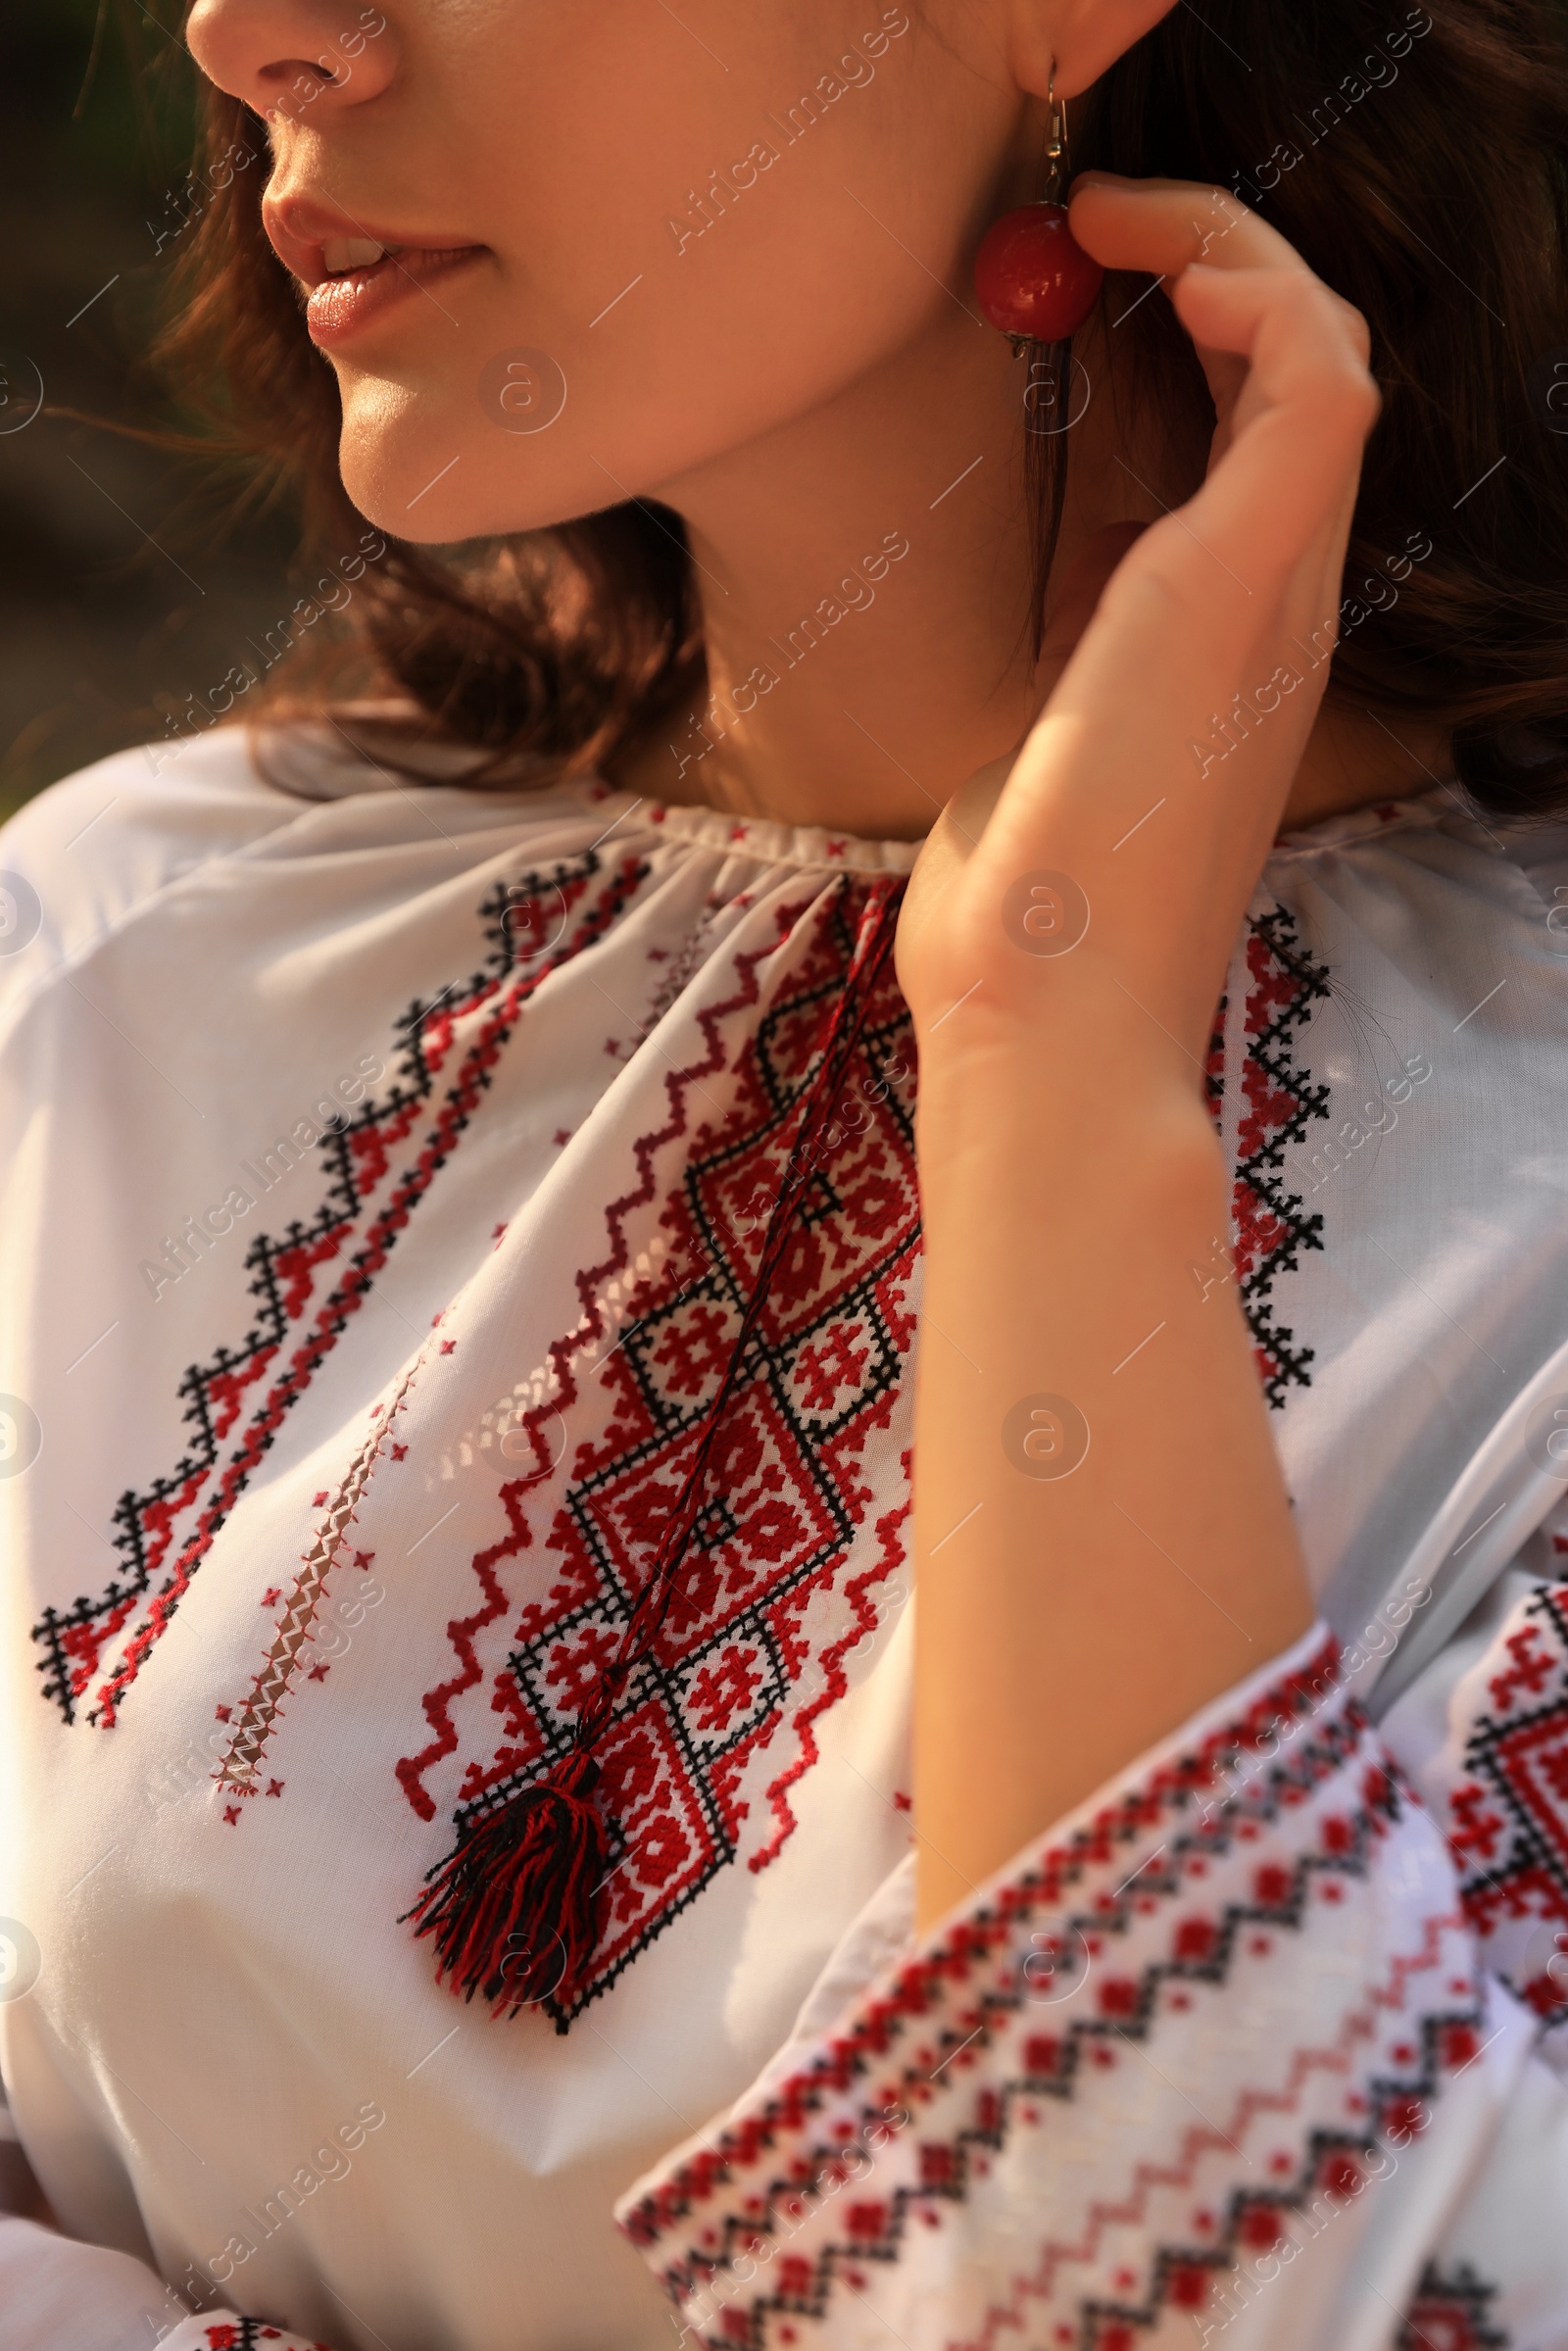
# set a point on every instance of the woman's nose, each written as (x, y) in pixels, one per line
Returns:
(290, 57)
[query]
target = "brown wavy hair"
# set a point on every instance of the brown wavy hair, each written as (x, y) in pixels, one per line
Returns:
(1418, 162)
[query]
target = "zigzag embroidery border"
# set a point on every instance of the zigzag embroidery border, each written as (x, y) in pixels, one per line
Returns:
(1270, 1224)
(76, 1640)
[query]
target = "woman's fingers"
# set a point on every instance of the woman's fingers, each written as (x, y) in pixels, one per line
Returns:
(1297, 337)
(1300, 421)
(1164, 225)
(1273, 336)
(1178, 230)
(1196, 620)
(1204, 608)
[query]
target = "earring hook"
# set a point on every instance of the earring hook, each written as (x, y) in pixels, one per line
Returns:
(1057, 161)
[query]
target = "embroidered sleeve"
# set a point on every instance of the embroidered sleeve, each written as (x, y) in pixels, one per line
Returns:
(1218, 2056)
(1482, 1734)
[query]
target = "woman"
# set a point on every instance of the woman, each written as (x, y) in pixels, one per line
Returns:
(486, 1568)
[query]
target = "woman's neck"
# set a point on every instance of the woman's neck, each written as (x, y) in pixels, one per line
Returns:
(865, 577)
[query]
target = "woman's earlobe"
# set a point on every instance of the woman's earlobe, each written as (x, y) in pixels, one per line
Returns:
(1076, 39)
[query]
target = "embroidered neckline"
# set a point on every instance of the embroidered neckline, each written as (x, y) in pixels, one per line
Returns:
(1445, 800)
(330, 769)
(771, 843)
(766, 840)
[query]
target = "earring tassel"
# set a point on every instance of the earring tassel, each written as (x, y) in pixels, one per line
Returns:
(512, 1906)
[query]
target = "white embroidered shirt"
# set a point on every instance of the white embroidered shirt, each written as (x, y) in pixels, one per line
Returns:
(387, 1169)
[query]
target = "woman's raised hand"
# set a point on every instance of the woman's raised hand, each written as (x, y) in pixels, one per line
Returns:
(1123, 789)
(1063, 949)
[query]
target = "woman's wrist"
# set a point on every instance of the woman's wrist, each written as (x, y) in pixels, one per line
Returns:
(1061, 1120)
(1088, 1412)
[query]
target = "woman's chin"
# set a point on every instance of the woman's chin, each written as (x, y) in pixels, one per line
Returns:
(433, 477)
(407, 482)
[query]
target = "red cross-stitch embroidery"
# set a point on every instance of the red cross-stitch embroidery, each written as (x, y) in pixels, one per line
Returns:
(366, 1206)
(744, 2192)
(765, 1606)
(1448, 2313)
(259, 1712)
(1269, 1224)
(248, 2334)
(1509, 1818)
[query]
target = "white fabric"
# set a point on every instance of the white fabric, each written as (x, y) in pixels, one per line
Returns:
(55, 2290)
(223, 2006)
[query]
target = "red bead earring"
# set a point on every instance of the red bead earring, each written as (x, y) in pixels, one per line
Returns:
(1033, 279)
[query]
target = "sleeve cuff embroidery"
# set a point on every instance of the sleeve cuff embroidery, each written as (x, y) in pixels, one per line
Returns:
(1180, 2033)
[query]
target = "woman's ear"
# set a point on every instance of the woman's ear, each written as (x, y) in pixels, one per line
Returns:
(1078, 39)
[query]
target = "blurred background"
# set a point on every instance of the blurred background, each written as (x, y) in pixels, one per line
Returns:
(127, 583)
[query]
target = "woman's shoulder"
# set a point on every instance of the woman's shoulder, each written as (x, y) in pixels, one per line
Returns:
(1441, 826)
(126, 840)
(90, 851)
(1416, 878)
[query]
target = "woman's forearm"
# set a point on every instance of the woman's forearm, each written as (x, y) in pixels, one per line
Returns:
(1063, 950)
(1073, 1610)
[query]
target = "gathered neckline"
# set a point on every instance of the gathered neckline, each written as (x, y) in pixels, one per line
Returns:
(769, 839)
(330, 769)
(771, 842)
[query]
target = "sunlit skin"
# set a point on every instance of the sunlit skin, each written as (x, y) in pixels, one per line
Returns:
(805, 382)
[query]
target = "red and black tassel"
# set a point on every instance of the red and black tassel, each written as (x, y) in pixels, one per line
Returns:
(512, 1907)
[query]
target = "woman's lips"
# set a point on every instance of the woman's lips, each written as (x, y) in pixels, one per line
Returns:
(344, 305)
